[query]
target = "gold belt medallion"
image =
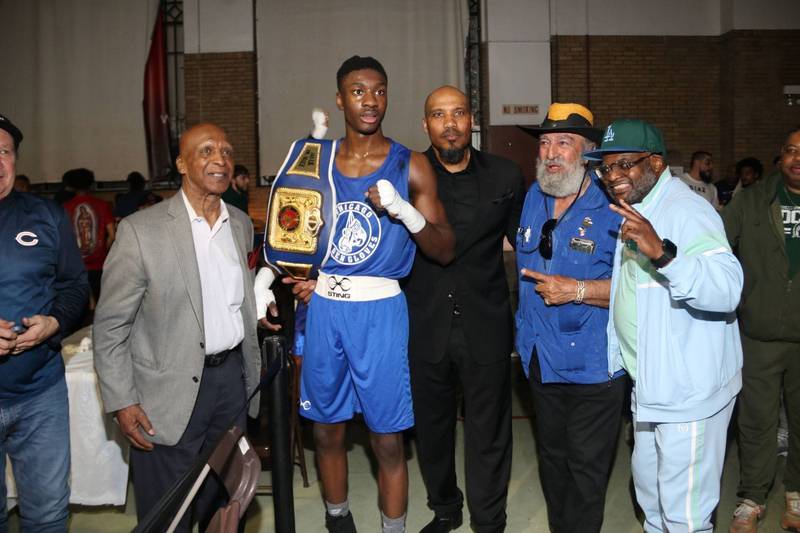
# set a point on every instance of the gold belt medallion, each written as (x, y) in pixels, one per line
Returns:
(295, 220)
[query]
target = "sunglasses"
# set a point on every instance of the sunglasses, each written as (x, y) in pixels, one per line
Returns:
(546, 239)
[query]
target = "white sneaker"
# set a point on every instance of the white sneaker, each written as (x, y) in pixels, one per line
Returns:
(790, 520)
(746, 517)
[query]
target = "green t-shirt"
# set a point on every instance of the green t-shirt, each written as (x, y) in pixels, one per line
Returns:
(625, 308)
(790, 215)
(635, 268)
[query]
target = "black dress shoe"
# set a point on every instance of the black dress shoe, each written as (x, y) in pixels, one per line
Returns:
(340, 524)
(443, 523)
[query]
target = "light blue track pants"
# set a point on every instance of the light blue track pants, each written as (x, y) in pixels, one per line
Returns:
(677, 469)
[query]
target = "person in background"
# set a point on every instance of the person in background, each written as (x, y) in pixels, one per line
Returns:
(65, 193)
(22, 183)
(148, 200)
(763, 225)
(745, 172)
(93, 223)
(128, 202)
(236, 195)
(700, 176)
(748, 171)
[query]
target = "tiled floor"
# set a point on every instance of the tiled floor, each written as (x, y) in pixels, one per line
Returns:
(526, 509)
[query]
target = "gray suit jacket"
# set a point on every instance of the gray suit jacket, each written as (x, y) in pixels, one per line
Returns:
(148, 326)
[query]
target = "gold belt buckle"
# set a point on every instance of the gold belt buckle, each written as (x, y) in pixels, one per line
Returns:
(295, 222)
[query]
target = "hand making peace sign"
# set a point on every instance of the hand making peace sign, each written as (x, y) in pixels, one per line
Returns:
(638, 229)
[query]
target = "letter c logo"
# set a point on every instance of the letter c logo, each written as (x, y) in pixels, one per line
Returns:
(27, 238)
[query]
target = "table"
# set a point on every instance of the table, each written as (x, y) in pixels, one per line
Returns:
(99, 452)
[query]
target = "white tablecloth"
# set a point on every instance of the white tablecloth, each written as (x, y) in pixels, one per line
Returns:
(99, 452)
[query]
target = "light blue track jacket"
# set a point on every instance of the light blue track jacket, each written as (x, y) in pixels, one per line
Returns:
(688, 351)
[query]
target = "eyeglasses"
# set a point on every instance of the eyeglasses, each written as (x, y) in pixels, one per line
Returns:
(546, 239)
(623, 164)
(791, 150)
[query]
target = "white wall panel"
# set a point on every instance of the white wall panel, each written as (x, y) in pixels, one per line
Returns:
(218, 26)
(519, 75)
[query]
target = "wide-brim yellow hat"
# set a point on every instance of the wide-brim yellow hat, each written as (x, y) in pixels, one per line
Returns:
(568, 118)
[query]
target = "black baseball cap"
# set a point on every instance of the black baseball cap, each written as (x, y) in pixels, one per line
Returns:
(8, 126)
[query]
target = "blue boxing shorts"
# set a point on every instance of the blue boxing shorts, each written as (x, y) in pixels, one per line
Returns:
(356, 354)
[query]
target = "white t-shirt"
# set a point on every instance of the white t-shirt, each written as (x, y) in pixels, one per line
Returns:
(706, 190)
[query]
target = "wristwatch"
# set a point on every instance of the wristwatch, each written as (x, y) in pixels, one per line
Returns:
(669, 252)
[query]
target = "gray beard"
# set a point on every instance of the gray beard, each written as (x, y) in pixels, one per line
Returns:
(560, 185)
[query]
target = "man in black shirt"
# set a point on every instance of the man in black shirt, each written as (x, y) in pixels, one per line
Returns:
(460, 324)
(236, 195)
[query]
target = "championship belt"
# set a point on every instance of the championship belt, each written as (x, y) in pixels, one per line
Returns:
(300, 212)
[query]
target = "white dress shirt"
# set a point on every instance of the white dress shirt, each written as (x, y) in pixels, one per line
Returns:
(221, 279)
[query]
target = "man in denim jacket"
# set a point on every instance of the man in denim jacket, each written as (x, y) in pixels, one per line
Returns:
(565, 253)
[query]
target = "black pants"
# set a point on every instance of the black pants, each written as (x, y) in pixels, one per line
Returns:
(767, 366)
(221, 396)
(577, 428)
(487, 431)
(94, 277)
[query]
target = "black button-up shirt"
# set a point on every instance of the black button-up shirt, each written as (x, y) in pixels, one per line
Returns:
(459, 193)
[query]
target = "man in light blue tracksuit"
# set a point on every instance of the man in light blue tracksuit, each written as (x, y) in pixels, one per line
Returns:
(674, 291)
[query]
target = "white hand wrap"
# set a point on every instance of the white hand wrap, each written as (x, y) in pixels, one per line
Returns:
(399, 208)
(264, 296)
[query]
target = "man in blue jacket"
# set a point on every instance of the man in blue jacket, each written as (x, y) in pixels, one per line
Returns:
(672, 327)
(43, 290)
(565, 250)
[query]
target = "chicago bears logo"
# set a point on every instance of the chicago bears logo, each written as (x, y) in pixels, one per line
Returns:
(358, 233)
(27, 238)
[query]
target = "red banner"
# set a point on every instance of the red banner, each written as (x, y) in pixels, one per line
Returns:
(156, 104)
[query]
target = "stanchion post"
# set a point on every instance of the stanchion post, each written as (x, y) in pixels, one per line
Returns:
(279, 427)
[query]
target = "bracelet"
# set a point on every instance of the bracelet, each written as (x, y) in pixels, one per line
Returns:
(581, 292)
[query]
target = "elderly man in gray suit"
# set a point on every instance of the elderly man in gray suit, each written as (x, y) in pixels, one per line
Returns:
(175, 328)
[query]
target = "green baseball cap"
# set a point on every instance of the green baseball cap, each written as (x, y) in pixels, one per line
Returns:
(629, 135)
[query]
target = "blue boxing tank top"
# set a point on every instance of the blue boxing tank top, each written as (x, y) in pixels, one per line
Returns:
(367, 242)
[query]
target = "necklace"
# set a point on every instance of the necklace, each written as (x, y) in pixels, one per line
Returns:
(365, 154)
